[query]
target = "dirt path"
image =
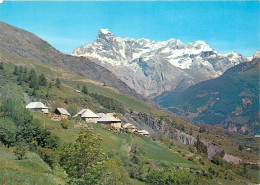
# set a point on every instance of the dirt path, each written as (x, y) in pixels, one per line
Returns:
(128, 148)
(26, 98)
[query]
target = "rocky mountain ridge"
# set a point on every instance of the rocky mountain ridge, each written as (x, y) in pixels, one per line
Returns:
(152, 67)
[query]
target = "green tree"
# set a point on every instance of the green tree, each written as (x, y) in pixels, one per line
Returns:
(20, 152)
(33, 80)
(217, 160)
(25, 70)
(84, 160)
(84, 89)
(65, 123)
(201, 148)
(57, 83)
(1, 65)
(7, 132)
(15, 70)
(20, 69)
(20, 79)
(42, 80)
(50, 85)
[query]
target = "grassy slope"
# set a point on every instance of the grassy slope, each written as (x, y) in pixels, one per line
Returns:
(31, 170)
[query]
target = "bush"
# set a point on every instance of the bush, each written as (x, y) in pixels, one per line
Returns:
(177, 177)
(7, 132)
(191, 158)
(65, 123)
(20, 152)
(49, 156)
(191, 149)
(217, 160)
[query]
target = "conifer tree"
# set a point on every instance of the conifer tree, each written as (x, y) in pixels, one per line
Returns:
(57, 83)
(50, 85)
(33, 80)
(21, 70)
(1, 65)
(42, 80)
(84, 89)
(15, 70)
(20, 79)
(25, 70)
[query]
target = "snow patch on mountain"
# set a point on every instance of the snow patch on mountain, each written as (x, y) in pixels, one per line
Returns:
(152, 67)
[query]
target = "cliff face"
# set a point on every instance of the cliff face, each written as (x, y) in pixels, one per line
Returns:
(155, 125)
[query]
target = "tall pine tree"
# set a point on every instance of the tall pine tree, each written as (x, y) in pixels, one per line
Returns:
(1, 65)
(15, 70)
(42, 80)
(33, 80)
(57, 83)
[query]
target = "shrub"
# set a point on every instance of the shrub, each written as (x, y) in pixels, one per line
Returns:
(7, 132)
(191, 158)
(191, 149)
(65, 123)
(176, 177)
(49, 156)
(20, 152)
(217, 160)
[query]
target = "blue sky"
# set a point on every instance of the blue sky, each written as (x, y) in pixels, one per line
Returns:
(225, 25)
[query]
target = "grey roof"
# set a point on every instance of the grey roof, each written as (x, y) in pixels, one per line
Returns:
(36, 105)
(109, 118)
(63, 111)
(143, 132)
(101, 114)
(87, 113)
(129, 125)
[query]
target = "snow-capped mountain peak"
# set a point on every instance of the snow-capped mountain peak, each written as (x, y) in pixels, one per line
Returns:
(150, 67)
(105, 31)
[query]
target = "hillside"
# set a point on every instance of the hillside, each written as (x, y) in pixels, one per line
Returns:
(20, 43)
(230, 101)
(152, 67)
(171, 154)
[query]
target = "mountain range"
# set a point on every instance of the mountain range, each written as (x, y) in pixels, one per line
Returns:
(230, 101)
(151, 67)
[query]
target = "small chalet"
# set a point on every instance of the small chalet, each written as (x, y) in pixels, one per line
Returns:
(144, 132)
(38, 106)
(111, 120)
(128, 127)
(88, 115)
(62, 113)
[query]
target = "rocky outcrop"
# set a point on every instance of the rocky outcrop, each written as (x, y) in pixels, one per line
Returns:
(156, 125)
(232, 159)
(187, 139)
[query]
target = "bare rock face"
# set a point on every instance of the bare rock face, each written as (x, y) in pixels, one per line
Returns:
(152, 67)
